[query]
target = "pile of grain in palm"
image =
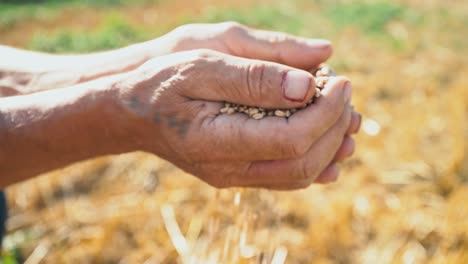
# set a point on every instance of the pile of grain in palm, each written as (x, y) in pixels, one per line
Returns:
(321, 74)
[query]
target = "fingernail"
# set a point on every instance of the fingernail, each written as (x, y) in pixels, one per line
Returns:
(296, 85)
(319, 43)
(348, 90)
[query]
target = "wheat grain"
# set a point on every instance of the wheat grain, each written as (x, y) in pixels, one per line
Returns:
(322, 76)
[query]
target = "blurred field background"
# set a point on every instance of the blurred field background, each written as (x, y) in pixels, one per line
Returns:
(401, 199)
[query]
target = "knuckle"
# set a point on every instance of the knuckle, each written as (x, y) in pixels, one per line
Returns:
(309, 170)
(232, 27)
(290, 151)
(255, 80)
(302, 141)
(277, 41)
(203, 53)
(290, 147)
(233, 30)
(299, 147)
(302, 177)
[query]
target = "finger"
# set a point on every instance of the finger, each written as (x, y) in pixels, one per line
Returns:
(298, 52)
(346, 149)
(222, 77)
(355, 123)
(273, 138)
(330, 174)
(301, 172)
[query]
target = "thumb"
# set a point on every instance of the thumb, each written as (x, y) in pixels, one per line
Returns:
(253, 82)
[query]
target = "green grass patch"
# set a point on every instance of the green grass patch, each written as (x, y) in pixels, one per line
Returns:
(369, 17)
(14, 11)
(373, 19)
(114, 32)
(11, 14)
(326, 21)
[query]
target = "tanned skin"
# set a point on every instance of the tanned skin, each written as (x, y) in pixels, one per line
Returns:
(163, 96)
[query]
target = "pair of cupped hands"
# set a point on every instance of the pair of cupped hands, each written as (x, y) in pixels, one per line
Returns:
(173, 104)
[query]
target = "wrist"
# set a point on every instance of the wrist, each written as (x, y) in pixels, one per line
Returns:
(115, 125)
(142, 111)
(48, 130)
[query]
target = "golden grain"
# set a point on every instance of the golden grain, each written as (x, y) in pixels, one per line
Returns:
(280, 113)
(318, 93)
(258, 116)
(322, 75)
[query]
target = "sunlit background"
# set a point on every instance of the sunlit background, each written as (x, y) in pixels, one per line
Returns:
(403, 197)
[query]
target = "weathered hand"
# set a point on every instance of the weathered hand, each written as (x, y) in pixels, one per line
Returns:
(238, 40)
(235, 39)
(27, 72)
(173, 107)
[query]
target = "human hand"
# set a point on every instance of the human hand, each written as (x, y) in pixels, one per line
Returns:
(238, 40)
(172, 106)
(50, 71)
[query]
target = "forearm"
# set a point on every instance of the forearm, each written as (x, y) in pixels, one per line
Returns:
(23, 72)
(49, 130)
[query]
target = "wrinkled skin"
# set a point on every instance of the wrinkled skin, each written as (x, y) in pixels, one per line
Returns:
(164, 95)
(179, 96)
